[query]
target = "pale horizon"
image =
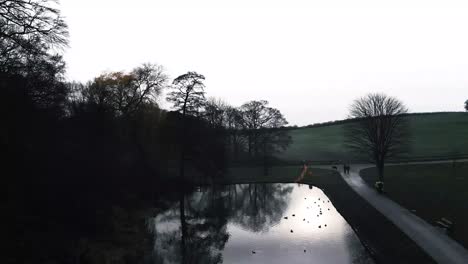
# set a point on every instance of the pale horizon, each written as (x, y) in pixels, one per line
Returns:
(308, 60)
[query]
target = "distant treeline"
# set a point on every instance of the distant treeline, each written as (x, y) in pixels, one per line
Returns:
(344, 121)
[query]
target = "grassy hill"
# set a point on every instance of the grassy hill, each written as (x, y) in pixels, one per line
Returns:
(434, 136)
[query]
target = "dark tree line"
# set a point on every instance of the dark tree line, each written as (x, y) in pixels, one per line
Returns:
(73, 150)
(254, 130)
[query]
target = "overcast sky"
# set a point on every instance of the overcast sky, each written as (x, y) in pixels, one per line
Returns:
(309, 59)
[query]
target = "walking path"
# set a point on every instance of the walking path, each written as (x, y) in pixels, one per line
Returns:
(433, 241)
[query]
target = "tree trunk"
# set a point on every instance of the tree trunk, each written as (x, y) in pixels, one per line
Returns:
(380, 170)
(265, 160)
(249, 138)
(234, 146)
(182, 150)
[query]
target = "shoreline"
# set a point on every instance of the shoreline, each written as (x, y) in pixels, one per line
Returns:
(384, 241)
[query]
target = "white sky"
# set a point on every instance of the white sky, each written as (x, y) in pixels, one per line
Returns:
(309, 59)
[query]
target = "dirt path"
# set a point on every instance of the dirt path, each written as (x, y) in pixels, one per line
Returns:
(305, 171)
(435, 243)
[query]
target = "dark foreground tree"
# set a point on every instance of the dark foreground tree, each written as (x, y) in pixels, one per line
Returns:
(380, 131)
(29, 28)
(188, 98)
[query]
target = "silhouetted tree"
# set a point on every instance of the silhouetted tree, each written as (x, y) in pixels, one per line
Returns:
(31, 81)
(220, 115)
(30, 34)
(255, 116)
(215, 112)
(123, 93)
(188, 98)
(234, 126)
(380, 131)
(261, 125)
(44, 83)
(273, 140)
(148, 82)
(466, 105)
(29, 27)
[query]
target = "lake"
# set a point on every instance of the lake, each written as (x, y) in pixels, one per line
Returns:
(255, 223)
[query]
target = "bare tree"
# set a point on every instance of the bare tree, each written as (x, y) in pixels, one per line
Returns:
(256, 117)
(215, 112)
(30, 33)
(380, 130)
(29, 27)
(149, 81)
(234, 126)
(123, 92)
(262, 126)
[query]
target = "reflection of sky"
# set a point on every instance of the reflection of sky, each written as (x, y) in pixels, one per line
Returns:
(330, 244)
(271, 236)
(166, 228)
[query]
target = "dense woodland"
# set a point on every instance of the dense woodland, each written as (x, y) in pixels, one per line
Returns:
(74, 150)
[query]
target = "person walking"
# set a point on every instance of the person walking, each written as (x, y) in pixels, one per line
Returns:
(346, 168)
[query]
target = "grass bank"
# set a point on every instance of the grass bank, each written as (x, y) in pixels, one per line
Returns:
(434, 136)
(433, 190)
(383, 239)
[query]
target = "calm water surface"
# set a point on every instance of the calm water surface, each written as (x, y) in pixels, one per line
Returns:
(255, 223)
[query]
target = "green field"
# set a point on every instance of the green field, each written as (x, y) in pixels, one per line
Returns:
(433, 136)
(433, 190)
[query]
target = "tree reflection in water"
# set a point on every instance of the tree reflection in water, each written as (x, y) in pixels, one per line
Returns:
(195, 231)
(257, 207)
